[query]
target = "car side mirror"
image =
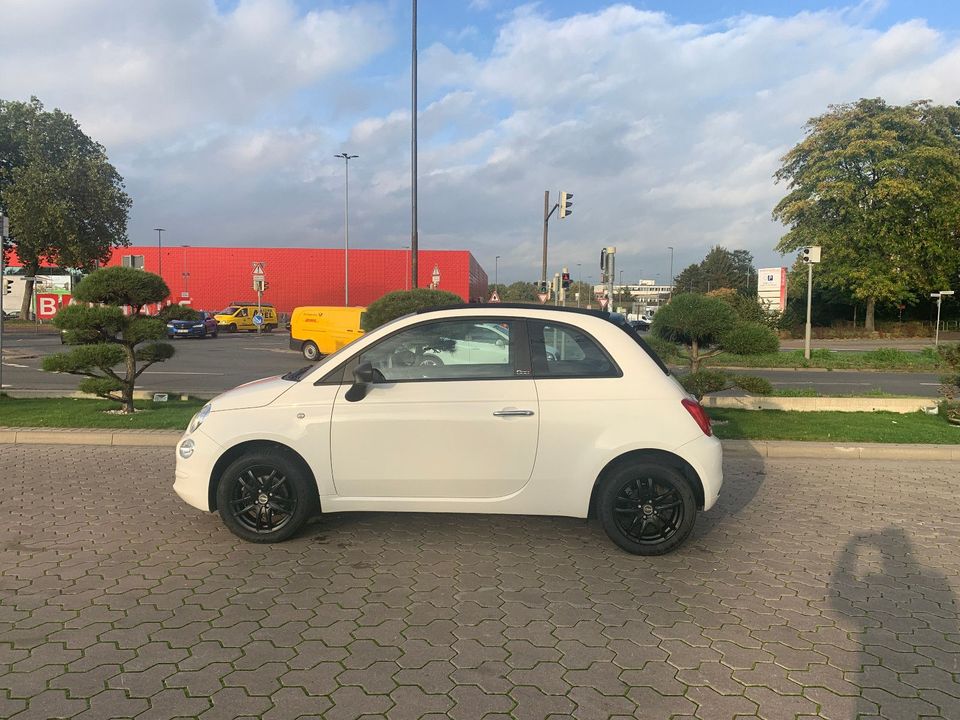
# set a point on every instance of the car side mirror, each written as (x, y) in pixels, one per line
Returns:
(363, 377)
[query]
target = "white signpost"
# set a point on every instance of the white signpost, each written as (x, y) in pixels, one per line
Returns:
(259, 284)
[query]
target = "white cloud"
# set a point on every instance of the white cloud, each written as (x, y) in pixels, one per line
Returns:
(225, 123)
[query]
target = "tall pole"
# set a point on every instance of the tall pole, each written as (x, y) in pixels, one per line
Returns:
(159, 251)
(496, 271)
(936, 341)
(671, 271)
(346, 225)
(806, 334)
(3, 289)
(546, 219)
(414, 246)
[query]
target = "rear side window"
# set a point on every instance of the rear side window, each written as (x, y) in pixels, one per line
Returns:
(563, 351)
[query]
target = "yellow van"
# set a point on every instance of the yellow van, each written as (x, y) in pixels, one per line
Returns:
(319, 331)
(239, 316)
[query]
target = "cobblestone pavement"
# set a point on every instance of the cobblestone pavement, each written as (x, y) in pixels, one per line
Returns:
(815, 589)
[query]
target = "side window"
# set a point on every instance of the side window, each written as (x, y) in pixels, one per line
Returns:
(445, 350)
(242, 313)
(564, 351)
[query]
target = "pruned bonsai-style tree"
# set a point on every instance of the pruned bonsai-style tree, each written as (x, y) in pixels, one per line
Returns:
(106, 338)
(707, 326)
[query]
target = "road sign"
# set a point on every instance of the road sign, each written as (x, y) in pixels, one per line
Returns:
(494, 297)
(258, 268)
(543, 297)
(603, 302)
(257, 319)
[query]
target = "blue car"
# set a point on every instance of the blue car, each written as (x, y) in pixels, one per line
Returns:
(204, 326)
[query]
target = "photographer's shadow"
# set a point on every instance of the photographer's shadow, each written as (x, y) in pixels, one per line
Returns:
(904, 616)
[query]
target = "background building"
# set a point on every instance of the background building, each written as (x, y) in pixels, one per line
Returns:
(210, 278)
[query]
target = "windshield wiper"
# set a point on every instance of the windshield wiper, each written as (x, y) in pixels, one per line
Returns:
(296, 375)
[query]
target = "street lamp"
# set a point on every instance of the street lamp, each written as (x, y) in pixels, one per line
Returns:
(939, 297)
(496, 271)
(186, 276)
(160, 232)
(346, 225)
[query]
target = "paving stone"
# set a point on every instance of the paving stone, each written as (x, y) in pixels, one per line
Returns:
(773, 609)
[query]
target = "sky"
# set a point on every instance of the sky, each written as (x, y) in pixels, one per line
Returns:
(665, 119)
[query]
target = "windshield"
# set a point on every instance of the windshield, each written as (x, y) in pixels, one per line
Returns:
(228, 311)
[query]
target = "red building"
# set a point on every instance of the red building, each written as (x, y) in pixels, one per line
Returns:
(210, 278)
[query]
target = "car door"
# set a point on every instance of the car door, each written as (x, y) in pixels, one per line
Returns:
(457, 429)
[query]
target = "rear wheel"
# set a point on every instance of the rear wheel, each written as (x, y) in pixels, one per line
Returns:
(264, 497)
(646, 509)
(310, 350)
(268, 328)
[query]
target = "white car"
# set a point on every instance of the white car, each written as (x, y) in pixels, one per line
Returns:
(565, 413)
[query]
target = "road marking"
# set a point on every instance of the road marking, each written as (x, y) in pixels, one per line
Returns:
(10, 364)
(817, 382)
(930, 384)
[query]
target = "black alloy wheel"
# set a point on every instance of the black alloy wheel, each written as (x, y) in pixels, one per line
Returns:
(264, 497)
(647, 509)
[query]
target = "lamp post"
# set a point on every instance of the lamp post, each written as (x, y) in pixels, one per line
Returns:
(939, 296)
(671, 270)
(160, 232)
(414, 239)
(346, 225)
(186, 275)
(496, 271)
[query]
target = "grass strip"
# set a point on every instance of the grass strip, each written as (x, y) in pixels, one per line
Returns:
(83, 413)
(876, 427)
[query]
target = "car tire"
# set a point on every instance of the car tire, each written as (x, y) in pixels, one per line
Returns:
(310, 351)
(214, 333)
(646, 508)
(232, 327)
(430, 361)
(265, 497)
(268, 328)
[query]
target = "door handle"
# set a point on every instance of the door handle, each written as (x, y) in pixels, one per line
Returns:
(513, 413)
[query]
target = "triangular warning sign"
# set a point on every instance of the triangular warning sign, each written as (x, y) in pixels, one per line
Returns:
(603, 302)
(543, 297)
(494, 297)
(258, 268)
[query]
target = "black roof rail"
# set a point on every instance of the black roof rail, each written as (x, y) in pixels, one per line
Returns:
(519, 306)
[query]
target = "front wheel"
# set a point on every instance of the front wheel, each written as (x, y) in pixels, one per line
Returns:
(310, 350)
(647, 509)
(263, 497)
(232, 327)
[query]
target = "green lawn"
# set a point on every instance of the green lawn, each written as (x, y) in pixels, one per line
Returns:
(880, 427)
(70, 412)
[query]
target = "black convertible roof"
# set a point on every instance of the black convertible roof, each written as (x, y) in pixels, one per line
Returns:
(520, 306)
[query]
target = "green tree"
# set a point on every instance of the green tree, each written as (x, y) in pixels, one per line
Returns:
(403, 302)
(720, 268)
(519, 292)
(706, 326)
(66, 202)
(105, 337)
(877, 186)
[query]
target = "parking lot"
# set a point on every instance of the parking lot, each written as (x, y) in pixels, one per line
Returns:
(814, 589)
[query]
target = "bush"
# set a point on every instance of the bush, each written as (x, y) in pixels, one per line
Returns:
(703, 382)
(665, 350)
(753, 384)
(750, 338)
(403, 302)
(177, 312)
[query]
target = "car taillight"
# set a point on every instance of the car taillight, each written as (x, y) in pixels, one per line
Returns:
(699, 414)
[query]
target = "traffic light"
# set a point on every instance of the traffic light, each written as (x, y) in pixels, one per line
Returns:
(541, 287)
(566, 204)
(565, 278)
(810, 254)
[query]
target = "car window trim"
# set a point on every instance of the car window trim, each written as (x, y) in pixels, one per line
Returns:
(614, 373)
(522, 369)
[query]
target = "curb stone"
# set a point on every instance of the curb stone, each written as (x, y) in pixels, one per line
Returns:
(731, 448)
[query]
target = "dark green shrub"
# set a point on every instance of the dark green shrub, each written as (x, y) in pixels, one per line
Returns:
(703, 382)
(177, 312)
(403, 302)
(753, 384)
(750, 338)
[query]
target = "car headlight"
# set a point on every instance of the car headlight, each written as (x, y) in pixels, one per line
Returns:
(198, 419)
(198, 327)
(170, 325)
(186, 448)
